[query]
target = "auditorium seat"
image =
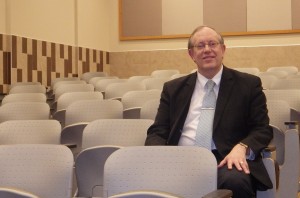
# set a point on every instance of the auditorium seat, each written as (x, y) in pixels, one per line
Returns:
(45, 170)
(68, 98)
(24, 97)
(88, 75)
(164, 73)
(98, 138)
(80, 113)
(155, 83)
(30, 132)
(117, 90)
(133, 101)
(180, 170)
(24, 111)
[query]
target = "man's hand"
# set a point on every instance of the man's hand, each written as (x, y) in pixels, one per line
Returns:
(236, 157)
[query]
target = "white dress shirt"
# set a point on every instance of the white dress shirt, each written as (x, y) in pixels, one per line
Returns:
(188, 132)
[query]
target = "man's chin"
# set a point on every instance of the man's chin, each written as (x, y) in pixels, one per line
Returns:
(211, 66)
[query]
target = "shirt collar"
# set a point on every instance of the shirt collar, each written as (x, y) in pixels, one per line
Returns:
(216, 78)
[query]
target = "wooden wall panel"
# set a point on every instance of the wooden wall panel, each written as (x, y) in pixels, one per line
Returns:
(269, 15)
(172, 15)
(226, 16)
(140, 19)
(295, 14)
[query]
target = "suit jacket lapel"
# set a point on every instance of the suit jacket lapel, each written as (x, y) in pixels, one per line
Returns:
(226, 86)
(183, 101)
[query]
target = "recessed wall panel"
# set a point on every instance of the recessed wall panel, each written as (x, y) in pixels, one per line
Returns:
(295, 14)
(141, 17)
(269, 15)
(226, 16)
(181, 18)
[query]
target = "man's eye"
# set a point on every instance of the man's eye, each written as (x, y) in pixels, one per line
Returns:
(212, 44)
(201, 46)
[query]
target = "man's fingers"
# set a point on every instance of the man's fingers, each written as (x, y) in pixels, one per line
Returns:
(240, 165)
(243, 166)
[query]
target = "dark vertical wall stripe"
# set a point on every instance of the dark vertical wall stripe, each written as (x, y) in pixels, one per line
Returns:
(94, 56)
(80, 53)
(29, 67)
(107, 57)
(39, 76)
(1, 42)
(70, 56)
(5, 67)
(53, 60)
(34, 54)
(84, 67)
(66, 68)
(24, 45)
(87, 58)
(61, 51)
(14, 52)
(101, 61)
(19, 75)
(49, 70)
(44, 48)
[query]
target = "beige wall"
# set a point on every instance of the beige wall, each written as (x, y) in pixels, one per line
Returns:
(126, 64)
(48, 20)
(3, 17)
(93, 24)
(84, 23)
(44, 39)
(97, 26)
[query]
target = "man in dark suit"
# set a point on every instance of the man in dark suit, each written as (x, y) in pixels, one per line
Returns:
(240, 126)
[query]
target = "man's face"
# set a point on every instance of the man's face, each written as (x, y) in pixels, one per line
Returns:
(207, 51)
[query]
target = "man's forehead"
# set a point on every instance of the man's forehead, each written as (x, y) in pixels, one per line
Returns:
(205, 35)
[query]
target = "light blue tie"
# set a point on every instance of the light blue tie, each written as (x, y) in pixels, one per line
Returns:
(205, 126)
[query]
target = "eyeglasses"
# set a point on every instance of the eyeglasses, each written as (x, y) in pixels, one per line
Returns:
(211, 45)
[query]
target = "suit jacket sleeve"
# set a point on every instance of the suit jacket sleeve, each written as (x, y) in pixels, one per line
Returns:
(241, 113)
(172, 111)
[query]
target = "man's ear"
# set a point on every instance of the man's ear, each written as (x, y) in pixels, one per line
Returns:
(191, 54)
(224, 47)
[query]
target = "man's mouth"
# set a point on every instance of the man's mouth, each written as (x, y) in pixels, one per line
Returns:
(208, 57)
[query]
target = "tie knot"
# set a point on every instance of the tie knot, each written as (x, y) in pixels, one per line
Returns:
(210, 85)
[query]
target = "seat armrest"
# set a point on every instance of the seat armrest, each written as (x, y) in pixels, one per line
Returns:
(115, 98)
(145, 193)
(60, 116)
(132, 113)
(17, 193)
(291, 124)
(220, 193)
(267, 152)
(71, 136)
(295, 115)
(71, 145)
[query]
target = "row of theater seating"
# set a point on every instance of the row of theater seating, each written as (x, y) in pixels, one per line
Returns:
(49, 131)
(286, 141)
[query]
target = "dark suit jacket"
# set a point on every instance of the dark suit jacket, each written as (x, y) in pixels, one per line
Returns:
(241, 116)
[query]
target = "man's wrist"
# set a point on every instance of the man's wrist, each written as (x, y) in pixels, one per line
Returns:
(246, 147)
